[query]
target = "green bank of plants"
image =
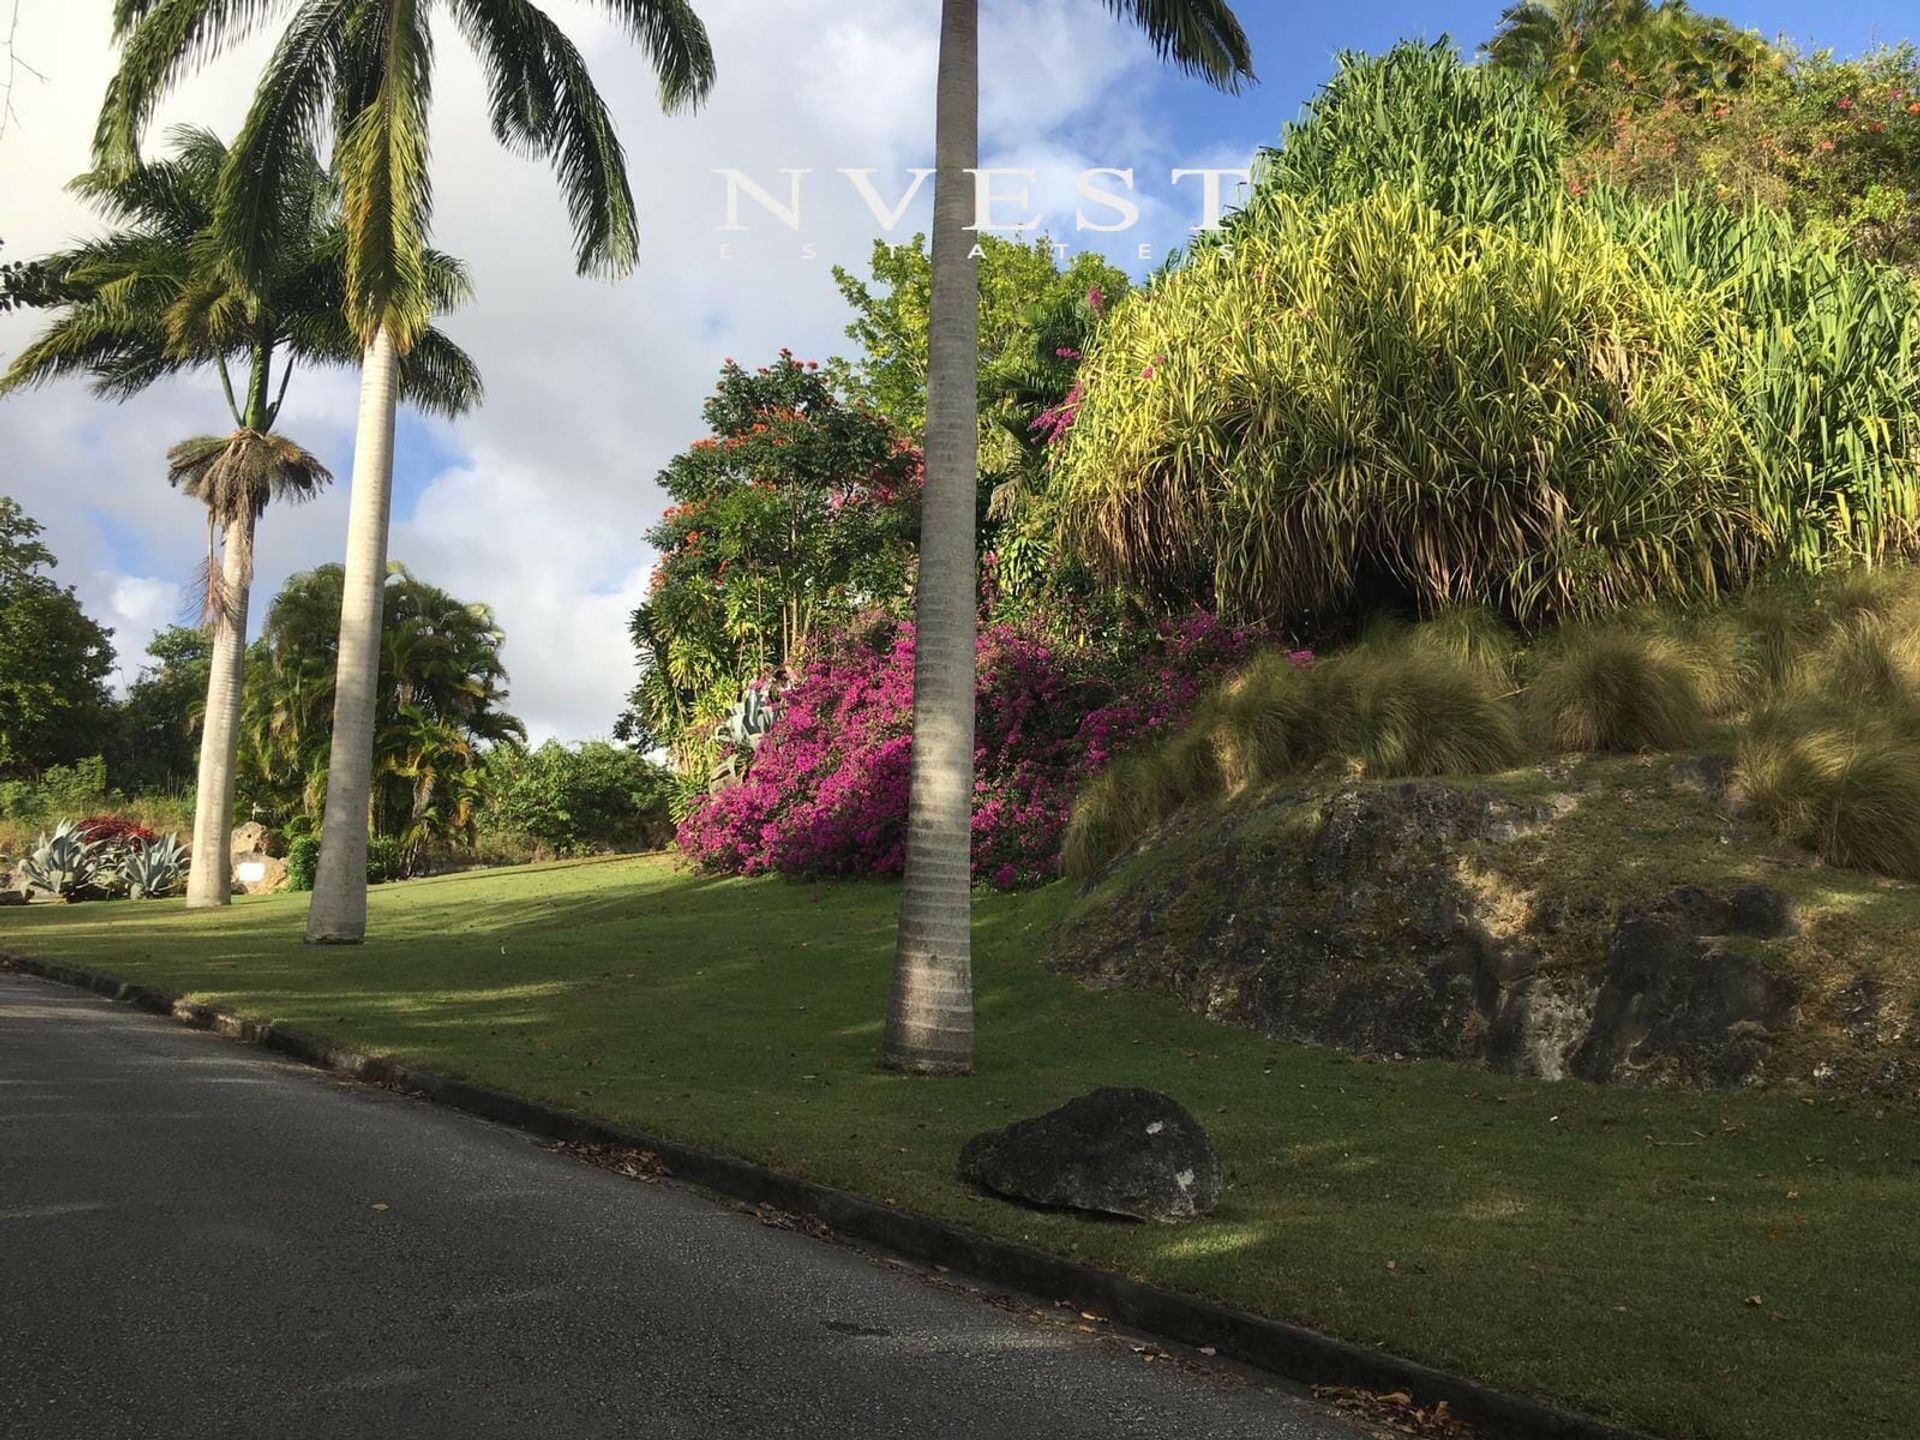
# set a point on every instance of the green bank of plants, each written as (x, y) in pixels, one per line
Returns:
(1418, 368)
(1811, 687)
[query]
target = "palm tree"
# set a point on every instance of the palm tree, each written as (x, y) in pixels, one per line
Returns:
(930, 1011)
(1585, 55)
(366, 66)
(159, 294)
(440, 704)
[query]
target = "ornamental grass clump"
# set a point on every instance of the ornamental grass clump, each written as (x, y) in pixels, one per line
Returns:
(1616, 690)
(1839, 779)
(1409, 710)
(1411, 704)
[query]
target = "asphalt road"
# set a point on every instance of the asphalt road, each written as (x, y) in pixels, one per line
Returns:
(190, 1245)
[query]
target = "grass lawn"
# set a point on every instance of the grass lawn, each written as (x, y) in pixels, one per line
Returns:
(1712, 1265)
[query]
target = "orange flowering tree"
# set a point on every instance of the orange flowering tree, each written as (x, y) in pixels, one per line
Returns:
(795, 510)
(1834, 142)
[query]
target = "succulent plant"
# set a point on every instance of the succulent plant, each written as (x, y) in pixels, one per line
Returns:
(746, 725)
(155, 869)
(63, 863)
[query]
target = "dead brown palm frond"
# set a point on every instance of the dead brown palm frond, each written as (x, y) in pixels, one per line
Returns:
(236, 477)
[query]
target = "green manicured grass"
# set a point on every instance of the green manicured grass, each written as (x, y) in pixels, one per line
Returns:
(1599, 1248)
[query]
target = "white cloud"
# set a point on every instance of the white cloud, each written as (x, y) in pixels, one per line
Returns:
(590, 387)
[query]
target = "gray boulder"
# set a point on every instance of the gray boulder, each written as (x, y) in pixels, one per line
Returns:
(1127, 1152)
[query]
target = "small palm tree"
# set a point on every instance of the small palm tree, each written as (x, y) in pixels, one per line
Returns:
(361, 71)
(930, 1013)
(160, 293)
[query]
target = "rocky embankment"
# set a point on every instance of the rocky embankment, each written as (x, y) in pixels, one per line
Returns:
(1617, 922)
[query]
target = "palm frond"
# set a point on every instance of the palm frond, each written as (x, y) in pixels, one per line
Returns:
(1201, 37)
(544, 101)
(382, 160)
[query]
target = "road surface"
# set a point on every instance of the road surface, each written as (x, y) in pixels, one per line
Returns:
(192, 1243)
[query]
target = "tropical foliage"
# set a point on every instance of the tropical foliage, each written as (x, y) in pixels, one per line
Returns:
(441, 705)
(793, 513)
(1587, 56)
(1438, 392)
(1835, 144)
(577, 799)
(54, 659)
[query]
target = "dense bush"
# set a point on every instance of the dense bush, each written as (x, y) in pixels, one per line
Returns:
(826, 793)
(303, 862)
(573, 800)
(1424, 372)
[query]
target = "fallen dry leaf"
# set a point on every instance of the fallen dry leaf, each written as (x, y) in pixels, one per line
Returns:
(1397, 1412)
(642, 1165)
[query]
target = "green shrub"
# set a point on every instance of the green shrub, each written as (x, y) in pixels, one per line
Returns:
(1839, 780)
(1617, 690)
(303, 860)
(386, 859)
(575, 800)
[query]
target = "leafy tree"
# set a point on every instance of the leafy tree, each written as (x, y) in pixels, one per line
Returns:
(1036, 320)
(441, 704)
(1588, 56)
(1833, 143)
(364, 73)
(54, 659)
(159, 721)
(930, 1010)
(162, 292)
(577, 799)
(796, 510)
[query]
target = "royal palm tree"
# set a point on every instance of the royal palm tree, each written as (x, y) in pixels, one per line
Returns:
(930, 1013)
(360, 72)
(159, 294)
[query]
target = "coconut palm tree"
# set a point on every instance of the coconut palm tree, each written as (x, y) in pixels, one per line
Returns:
(160, 293)
(930, 1012)
(361, 71)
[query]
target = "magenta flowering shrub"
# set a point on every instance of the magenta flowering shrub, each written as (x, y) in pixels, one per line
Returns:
(827, 791)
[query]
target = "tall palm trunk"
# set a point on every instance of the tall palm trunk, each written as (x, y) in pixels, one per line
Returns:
(338, 914)
(210, 881)
(930, 1015)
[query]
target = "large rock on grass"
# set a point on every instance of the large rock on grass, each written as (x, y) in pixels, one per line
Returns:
(1130, 1152)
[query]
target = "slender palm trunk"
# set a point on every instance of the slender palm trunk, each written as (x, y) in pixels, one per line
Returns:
(338, 914)
(210, 881)
(930, 1015)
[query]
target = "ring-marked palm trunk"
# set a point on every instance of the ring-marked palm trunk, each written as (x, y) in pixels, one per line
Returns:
(930, 1015)
(338, 914)
(210, 880)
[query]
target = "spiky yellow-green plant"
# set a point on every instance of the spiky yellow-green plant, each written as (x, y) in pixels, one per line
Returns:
(1377, 390)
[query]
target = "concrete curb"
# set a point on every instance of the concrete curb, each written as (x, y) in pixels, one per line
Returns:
(1291, 1351)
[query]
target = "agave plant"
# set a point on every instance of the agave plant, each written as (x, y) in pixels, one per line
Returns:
(64, 863)
(746, 725)
(156, 869)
